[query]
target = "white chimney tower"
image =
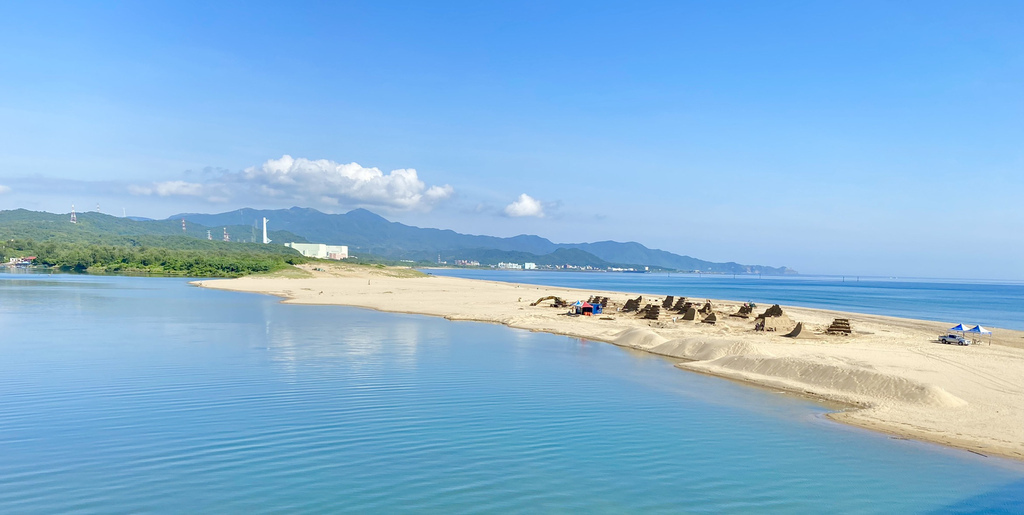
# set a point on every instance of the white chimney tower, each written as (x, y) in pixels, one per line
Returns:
(265, 239)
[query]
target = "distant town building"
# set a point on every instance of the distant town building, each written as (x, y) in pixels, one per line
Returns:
(465, 262)
(530, 266)
(320, 250)
(20, 262)
(510, 266)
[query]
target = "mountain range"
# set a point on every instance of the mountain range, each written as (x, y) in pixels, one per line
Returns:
(368, 233)
(99, 228)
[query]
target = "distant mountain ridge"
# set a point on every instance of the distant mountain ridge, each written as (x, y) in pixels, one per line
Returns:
(99, 228)
(367, 232)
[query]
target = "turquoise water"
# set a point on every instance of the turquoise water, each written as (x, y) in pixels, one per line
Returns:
(995, 304)
(147, 395)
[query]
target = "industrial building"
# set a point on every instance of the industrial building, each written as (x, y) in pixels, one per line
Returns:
(320, 250)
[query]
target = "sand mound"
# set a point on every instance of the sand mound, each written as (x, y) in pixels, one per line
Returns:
(688, 348)
(831, 377)
(828, 376)
(697, 349)
(638, 338)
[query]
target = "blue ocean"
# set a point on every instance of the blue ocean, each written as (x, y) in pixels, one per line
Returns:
(129, 395)
(988, 303)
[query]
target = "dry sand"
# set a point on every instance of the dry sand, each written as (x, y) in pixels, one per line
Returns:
(892, 372)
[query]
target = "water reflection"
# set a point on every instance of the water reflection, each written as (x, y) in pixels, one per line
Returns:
(230, 402)
(316, 334)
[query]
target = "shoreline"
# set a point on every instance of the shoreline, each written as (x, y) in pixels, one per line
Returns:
(891, 372)
(920, 308)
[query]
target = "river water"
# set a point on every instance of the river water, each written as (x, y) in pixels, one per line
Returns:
(126, 394)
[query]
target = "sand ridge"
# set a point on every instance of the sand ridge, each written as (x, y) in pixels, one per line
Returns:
(891, 371)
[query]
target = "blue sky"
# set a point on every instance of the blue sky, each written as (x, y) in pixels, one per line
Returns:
(863, 138)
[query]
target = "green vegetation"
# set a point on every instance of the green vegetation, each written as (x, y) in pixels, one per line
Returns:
(380, 269)
(288, 273)
(102, 243)
(165, 260)
(370, 259)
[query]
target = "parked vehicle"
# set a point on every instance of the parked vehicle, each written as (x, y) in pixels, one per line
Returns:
(954, 339)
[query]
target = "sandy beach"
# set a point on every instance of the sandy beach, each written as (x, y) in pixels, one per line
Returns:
(891, 373)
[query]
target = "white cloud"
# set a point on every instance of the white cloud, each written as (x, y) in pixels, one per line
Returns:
(169, 189)
(439, 193)
(309, 182)
(4, 189)
(525, 205)
(328, 182)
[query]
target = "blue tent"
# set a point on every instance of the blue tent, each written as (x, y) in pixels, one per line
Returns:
(979, 329)
(959, 328)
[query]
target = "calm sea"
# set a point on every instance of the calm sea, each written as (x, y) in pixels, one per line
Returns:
(989, 303)
(147, 395)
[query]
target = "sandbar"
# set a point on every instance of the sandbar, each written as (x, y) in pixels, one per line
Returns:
(891, 373)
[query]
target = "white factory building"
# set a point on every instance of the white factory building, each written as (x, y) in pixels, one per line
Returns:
(320, 250)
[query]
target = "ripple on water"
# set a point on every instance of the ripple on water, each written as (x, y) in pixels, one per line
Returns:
(250, 405)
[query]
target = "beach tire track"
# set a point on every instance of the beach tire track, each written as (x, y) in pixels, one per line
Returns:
(999, 383)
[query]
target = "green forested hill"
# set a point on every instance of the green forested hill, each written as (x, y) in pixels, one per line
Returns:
(107, 243)
(101, 228)
(366, 234)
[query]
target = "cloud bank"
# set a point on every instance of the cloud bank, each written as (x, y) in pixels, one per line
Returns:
(525, 205)
(310, 182)
(4, 189)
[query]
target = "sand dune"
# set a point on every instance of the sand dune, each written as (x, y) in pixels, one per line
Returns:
(891, 372)
(694, 348)
(835, 378)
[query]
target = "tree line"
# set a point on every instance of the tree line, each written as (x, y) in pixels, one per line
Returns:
(194, 262)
